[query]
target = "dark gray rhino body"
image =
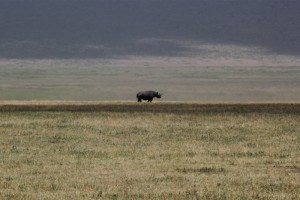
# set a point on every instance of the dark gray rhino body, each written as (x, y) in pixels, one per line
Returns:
(147, 95)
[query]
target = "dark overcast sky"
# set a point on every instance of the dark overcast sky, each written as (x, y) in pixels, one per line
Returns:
(111, 28)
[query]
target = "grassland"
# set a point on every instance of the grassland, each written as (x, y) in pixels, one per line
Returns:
(179, 79)
(166, 150)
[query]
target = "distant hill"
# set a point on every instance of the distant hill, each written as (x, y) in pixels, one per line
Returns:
(114, 28)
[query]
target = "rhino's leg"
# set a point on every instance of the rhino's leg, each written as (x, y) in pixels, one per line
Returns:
(150, 100)
(139, 100)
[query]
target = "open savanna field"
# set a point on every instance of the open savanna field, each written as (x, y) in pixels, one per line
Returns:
(179, 79)
(160, 150)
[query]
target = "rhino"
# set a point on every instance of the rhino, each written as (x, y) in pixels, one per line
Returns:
(147, 95)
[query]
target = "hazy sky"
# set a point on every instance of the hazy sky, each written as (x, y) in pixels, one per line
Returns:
(113, 28)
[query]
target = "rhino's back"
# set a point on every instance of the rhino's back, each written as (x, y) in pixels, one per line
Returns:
(148, 93)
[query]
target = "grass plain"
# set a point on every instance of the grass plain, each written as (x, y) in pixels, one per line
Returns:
(179, 79)
(162, 150)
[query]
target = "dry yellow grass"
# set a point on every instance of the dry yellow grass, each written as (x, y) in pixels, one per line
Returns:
(168, 150)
